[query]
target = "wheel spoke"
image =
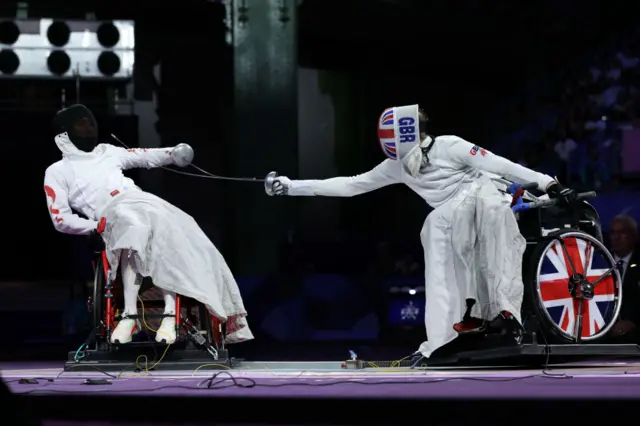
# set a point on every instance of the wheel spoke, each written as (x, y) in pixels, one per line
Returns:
(577, 330)
(587, 257)
(603, 276)
(566, 254)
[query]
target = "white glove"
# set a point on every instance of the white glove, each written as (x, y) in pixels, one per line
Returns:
(281, 185)
(182, 155)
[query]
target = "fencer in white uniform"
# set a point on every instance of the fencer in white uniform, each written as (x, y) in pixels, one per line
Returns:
(472, 245)
(145, 235)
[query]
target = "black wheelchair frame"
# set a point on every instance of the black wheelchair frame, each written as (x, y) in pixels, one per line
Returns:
(572, 233)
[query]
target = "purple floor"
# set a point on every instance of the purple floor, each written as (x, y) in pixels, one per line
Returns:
(613, 381)
(601, 383)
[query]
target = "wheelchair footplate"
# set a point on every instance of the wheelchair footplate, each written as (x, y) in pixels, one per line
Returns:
(149, 355)
(493, 350)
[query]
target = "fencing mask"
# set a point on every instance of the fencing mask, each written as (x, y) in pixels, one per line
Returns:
(80, 124)
(399, 130)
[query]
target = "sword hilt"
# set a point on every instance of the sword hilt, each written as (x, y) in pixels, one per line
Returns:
(269, 181)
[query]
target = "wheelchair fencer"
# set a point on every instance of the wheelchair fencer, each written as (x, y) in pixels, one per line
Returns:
(103, 307)
(573, 288)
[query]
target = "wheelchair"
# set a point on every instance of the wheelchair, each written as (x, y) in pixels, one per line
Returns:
(573, 287)
(201, 332)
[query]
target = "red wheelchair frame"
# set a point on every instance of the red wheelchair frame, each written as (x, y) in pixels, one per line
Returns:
(109, 316)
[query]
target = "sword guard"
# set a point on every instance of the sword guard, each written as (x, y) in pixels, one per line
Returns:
(269, 180)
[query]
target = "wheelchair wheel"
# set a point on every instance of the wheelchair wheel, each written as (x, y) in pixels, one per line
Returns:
(99, 283)
(570, 264)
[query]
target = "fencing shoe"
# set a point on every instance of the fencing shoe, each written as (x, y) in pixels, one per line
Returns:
(125, 330)
(470, 324)
(167, 331)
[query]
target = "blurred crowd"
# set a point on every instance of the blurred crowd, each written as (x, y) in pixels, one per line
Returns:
(582, 147)
(349, 256)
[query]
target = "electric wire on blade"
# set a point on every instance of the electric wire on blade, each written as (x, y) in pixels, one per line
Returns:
(205, 174)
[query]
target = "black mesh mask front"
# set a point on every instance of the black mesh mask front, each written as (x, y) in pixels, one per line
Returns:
(80, 124)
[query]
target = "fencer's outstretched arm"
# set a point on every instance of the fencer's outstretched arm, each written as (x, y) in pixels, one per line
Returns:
(147, 158)
(465, 153)
(385, 173)
(63, 218)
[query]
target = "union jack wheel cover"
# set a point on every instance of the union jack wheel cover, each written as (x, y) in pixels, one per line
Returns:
(552, 282)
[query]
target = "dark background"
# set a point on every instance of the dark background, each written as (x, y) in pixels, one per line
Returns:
(471, 63)
(468, 59)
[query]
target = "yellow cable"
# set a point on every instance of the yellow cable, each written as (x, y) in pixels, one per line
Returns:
(146, 362)
(210, 365)
(144, 321)
(397, 363)
(394, 364)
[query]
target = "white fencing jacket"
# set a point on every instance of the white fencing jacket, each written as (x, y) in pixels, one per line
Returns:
(86, 181)
(453, 164)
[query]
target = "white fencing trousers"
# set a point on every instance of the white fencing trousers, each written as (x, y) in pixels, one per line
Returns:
(167, 245)
(131, 282)
(499, 256)
(473, 250)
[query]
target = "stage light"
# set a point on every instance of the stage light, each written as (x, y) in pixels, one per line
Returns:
(108, 34)
(108, 63)
(9, 32)
(58, 62)
(44, 48)
(58, 33)
(9, 61)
